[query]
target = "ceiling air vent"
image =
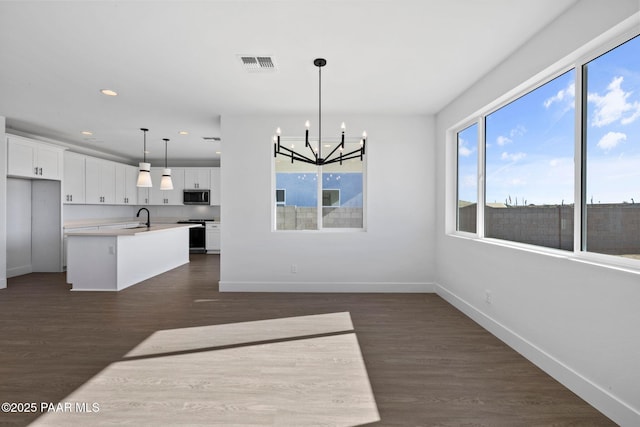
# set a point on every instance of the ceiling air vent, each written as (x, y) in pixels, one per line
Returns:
(211, 138)
(257, 64)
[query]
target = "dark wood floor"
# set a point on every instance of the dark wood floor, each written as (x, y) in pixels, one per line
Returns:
(427, 363)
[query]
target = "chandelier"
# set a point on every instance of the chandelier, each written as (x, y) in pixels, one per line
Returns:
(315, 157)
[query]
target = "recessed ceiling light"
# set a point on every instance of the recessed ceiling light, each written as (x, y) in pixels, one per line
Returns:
(218, 152)
(108, 92)
(86, 132)
(147, 151)
(183, 132)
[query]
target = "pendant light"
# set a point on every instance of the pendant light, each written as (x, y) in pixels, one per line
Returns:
(144, 175)
(165, 182)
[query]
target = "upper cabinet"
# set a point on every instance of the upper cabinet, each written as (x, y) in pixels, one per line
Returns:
(197, 178)
(32, 159)
(74, 178)
(174, 197)
(126, 180)
(100, 181)
(155, 196)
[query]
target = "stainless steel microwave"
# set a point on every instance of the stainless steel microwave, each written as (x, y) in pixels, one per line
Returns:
(195, 197)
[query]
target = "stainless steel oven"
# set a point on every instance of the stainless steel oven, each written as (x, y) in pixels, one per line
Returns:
(197, 235)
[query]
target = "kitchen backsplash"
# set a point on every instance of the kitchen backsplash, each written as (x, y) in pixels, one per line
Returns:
(79, 212)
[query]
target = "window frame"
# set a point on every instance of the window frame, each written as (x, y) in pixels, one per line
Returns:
(577, 60)
(319, 202)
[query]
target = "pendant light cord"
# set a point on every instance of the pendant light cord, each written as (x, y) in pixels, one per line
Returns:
(320, 112)
(165, 152)
(144, 150)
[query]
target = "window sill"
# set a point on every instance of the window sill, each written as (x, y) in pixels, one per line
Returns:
(324, 230)
(613, 262)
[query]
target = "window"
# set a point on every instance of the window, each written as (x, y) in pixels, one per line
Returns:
(611, 205)
(336, 200)
(330, 197)
(299, 181)
(467, 180)
(529, 172)
(529, 146)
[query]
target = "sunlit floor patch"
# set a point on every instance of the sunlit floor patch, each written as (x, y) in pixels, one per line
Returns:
(313, 380)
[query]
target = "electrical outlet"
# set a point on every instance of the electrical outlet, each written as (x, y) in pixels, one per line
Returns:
(487, 296)
(294, 268)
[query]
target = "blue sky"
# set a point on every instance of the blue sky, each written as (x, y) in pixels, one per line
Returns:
(530, 142)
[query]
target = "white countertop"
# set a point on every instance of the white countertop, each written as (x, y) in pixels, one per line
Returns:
(97, 222)
(114, 232)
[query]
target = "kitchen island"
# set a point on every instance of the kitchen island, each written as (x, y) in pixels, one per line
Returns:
(114, 259)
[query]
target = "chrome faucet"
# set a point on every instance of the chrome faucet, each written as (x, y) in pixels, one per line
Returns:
(148, 216)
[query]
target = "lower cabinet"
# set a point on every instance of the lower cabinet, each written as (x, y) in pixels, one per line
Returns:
(212, 231)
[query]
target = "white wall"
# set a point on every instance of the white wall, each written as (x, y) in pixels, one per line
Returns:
(396, 252)
(3, 205)
(578, 321)
(18, 243)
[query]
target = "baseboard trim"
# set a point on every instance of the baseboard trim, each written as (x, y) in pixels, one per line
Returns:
(358, 287)
(19, 271)
(605, 402)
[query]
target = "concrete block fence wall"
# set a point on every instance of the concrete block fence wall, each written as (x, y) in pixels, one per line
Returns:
(611, 228)
(305, 218)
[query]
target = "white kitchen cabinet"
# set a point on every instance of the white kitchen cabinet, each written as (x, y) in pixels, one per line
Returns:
(215, 187)
(152, 195)
(31, 159)
(212, 236)
(100, 181)
(197, 178)
(126, 178)
(143, 196)
(174, 197)
(155, 196)
(74, 178)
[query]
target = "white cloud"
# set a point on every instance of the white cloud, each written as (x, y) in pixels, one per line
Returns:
(554, 162)
(611, 140)
(463, 150)
(568, 94)
(470, 181)
(513, 157)
(517, 131)
(502, 140)
(632, 117)
(613, 105)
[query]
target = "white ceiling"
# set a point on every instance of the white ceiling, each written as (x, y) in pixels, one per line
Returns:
(175, 65)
